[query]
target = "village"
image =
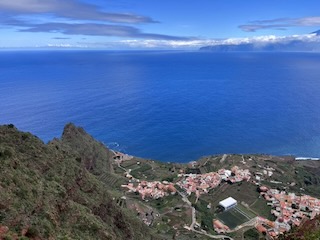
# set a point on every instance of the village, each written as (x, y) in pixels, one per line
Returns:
(288, 208)
(190, 183)
(155, 189)
(203, 183)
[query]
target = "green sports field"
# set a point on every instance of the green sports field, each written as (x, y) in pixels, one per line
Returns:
(235, 216)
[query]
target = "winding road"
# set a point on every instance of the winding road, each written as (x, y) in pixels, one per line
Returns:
(193, 222)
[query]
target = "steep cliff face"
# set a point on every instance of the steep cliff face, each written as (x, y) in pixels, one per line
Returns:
(49, 191)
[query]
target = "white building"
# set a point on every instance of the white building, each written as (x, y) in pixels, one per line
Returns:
(228, 203)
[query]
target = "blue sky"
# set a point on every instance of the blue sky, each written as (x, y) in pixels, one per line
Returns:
(140, 24)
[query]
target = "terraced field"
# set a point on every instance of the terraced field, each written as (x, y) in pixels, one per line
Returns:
(112, 180)
(235, 217)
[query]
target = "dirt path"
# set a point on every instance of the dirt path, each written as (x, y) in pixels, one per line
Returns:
(223, 158)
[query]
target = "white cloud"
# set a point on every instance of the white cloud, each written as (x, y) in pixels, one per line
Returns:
(164, 43)
(72, 9)
(191, 44)
(280, 23)
(66, 45)
(73, 17)
(194, 44)
(267, 39)
(308, 21)
(94, 29)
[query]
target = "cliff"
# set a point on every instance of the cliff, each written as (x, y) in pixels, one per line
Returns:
(51, 191)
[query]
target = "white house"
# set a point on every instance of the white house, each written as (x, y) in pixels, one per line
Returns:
(228, 203)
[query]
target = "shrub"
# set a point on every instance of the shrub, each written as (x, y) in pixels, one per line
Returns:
(7, 237)
(23, 238)
(25, 136)
(6, 153)
(32, 232)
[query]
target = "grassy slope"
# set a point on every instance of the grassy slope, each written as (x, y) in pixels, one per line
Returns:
(48, 193)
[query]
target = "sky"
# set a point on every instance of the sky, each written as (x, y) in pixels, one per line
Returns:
(151, 24)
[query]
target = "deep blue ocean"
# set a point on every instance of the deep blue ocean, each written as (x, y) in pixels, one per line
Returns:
(169, 106)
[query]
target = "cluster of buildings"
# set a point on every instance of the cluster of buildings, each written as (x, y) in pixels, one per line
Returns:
(264, 173)
(289, 210)
(202, 183)
(219, 227)
(155, 189)
(199, 183)
(119, 157)
(237, 174)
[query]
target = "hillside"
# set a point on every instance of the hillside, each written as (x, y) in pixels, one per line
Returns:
(317, 32)
(288, 46)
(281, 45)
(50, 192)
(76, 188)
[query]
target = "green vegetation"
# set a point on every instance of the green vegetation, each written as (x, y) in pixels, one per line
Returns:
(71, 188)
(166, 204)
(47, 193)
(260, 206)
(233, 218)
(140, 171)
(205, 215)
(242, 192)
(251, 234)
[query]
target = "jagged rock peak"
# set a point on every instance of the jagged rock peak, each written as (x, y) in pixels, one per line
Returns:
(71, 129)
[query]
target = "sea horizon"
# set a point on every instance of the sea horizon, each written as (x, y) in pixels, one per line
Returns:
(174, 106)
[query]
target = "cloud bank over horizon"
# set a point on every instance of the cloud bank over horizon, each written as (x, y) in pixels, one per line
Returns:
(258, 42)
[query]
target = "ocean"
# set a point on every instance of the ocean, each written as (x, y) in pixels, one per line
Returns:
(168, 106)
